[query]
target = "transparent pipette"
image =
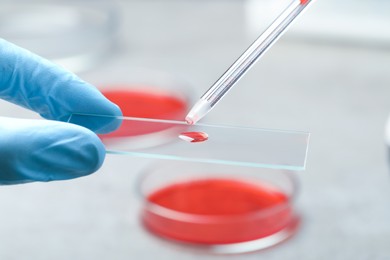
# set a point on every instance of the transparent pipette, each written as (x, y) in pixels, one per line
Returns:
(245, 61)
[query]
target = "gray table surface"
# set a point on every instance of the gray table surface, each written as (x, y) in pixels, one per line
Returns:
(339, 93)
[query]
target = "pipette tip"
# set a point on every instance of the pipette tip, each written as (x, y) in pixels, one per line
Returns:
(189, 120)
(199, 110)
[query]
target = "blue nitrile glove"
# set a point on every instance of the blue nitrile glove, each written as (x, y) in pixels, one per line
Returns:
(46, 150)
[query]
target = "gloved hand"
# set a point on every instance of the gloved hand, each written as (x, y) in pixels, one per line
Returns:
(46, 150)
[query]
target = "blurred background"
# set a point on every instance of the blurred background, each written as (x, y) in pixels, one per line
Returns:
(328, 75)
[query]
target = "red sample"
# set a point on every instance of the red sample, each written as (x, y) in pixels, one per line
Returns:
(217, 211)
(194, 137)
(145, 102)
(304, 1)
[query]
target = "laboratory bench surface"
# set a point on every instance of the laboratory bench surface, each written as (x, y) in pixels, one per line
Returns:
(338, 92)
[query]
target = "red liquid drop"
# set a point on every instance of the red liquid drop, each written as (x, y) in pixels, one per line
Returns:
(145, 102)
(194, 137)
(218, 211)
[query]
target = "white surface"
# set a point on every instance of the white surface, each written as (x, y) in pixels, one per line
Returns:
(364, 22)
(339, 93)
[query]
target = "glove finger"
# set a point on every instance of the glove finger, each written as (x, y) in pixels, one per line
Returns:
(43, 150)
(37, 84)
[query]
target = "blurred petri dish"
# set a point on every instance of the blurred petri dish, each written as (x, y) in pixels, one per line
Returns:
(145, 102)
(75, 34)
(219, 208)
(151, 94)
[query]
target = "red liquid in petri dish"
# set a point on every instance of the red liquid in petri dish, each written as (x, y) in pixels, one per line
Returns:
(217, 211)
(145, 102)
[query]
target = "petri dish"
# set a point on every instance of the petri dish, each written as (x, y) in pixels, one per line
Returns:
(218, 208)
(146, 93)
(143, 102)
(148, 102)
(228, 145)
(75, 34)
